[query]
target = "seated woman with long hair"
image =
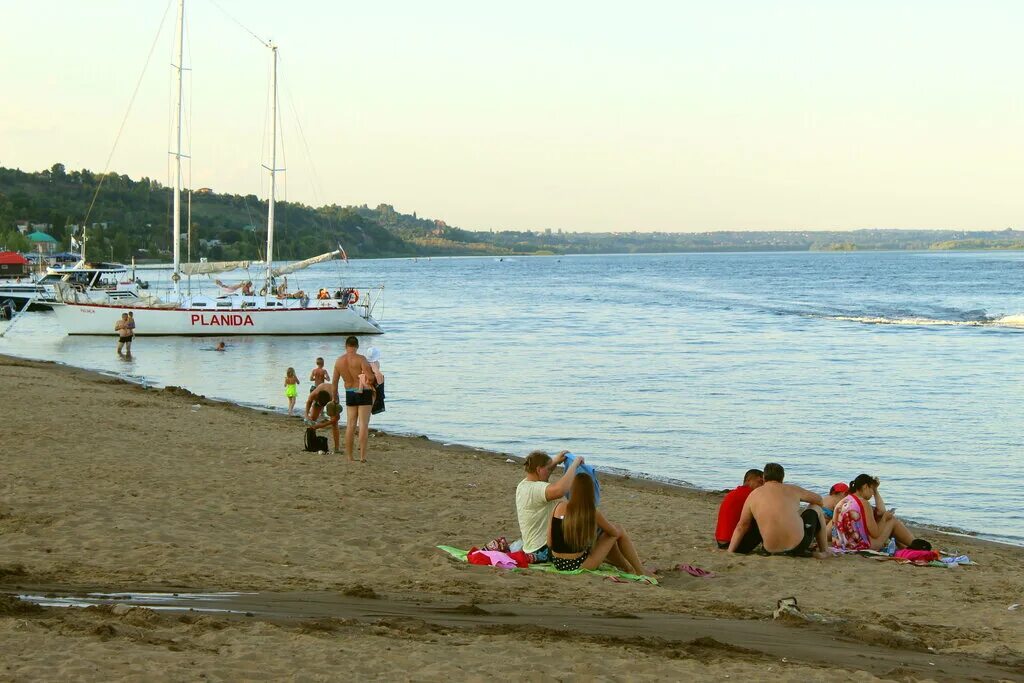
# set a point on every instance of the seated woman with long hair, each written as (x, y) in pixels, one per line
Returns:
(856, 525)
(574, 525)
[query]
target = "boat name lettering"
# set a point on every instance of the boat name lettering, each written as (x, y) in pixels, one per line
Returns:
(227, 319)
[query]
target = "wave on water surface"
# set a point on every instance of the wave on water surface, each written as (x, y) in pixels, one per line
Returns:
(1016, 320)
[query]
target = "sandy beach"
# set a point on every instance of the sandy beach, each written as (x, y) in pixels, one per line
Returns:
(109, 486)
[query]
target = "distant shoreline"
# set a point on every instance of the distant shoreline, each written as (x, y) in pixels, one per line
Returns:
(157, 265)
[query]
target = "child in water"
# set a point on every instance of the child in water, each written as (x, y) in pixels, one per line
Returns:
(319, 375)
(291, 389)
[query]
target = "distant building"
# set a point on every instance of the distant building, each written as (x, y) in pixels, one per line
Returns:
(203, 190)
(42, 242)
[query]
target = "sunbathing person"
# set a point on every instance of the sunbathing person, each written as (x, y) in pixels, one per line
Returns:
(772, 517)
(732, 505)
(571, 534)
(829, 502)
(858, 526)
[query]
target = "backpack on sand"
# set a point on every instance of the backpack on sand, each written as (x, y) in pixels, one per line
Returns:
(314, 443)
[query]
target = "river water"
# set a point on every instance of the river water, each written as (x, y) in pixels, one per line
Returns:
(691, 367)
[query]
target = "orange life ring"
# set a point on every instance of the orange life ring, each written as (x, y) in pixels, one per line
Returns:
(355, 296)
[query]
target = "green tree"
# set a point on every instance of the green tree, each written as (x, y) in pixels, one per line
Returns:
(122, 248)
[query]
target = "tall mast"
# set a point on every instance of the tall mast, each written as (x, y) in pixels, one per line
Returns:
(273, 162)
(178, 68)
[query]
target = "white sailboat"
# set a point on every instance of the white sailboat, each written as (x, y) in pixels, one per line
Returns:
(272, 311)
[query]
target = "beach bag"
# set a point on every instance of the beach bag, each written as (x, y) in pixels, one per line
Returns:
(378, 400)
(314, 443)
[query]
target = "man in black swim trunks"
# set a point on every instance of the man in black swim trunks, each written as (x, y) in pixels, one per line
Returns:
(125, 333)
(355, 371)
(772, 516)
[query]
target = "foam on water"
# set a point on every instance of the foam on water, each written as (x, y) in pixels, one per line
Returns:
(1013, 321)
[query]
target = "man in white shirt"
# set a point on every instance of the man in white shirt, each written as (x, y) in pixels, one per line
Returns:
(536, 498)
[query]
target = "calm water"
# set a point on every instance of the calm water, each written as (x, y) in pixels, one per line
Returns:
(691, 367)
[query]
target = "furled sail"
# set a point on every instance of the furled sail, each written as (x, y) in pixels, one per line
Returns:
(299, 265)
(212, 267)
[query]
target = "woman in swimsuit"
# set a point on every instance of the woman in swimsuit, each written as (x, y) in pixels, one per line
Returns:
(859, 526)
(571, 534)
(829, 502)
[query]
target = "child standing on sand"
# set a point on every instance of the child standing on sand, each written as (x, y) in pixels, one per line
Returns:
(291, 389)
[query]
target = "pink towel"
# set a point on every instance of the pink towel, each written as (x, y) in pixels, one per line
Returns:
(499, 559)
(917, 555)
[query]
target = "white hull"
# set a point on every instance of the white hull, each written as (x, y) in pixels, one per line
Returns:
(317, 318)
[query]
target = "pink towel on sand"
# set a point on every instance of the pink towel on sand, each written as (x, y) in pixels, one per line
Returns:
(917, 555)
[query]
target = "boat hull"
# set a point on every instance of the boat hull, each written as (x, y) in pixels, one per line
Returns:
(99, 320)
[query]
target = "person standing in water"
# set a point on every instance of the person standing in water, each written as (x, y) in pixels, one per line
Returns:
(359, 379)
(123, 327)
(319, 374)
(291, 389)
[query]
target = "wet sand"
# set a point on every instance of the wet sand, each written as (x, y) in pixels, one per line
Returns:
(112, 486)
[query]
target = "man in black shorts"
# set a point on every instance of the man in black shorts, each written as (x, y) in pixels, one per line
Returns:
(354, 370)
(125, 333)
(772, 513)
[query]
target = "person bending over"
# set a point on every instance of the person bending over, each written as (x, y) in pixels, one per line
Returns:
(323, 410)
(771, 516)
(580, 537)
(732, 505)
(858, 526)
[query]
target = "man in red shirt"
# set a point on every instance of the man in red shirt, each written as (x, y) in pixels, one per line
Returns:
(732, 505)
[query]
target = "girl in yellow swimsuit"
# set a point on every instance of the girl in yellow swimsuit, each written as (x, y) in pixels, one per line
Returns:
(291, 389)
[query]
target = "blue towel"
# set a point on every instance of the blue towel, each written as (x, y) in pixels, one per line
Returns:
(586, 469)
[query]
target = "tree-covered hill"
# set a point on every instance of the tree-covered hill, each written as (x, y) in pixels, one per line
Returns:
(133, 218)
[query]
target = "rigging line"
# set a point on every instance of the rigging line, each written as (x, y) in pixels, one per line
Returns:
(284, 161)
(265, 43)
(305, 145)
(120, 130)
(317, 188)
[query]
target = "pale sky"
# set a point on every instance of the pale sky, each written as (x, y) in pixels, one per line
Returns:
(675, 116)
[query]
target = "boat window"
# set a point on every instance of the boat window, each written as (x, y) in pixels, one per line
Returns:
(223, 304)
(248, 304)
(198, 304)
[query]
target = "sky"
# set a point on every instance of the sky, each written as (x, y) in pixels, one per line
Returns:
(586, 116)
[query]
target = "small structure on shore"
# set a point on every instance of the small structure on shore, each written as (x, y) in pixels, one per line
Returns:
(13, 264)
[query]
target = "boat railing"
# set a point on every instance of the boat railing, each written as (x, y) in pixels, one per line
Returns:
(371, 301)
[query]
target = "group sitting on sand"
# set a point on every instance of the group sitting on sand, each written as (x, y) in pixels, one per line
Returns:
(561, 523)
(765, 512)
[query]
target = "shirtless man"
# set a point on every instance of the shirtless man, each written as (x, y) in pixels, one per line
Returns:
(124, 327)
(319, 374)
(323, 410)
(771, 516)
(357, 375)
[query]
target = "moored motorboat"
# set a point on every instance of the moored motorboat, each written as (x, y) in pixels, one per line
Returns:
(109, 279)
